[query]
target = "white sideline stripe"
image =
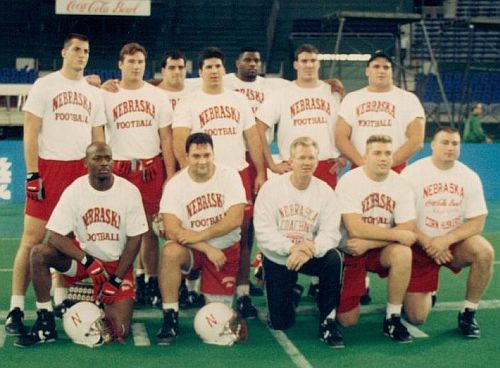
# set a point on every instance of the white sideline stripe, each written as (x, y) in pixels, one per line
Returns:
(290, 349)
(140, 334)
(366, 309)
(5, 269)
(413, 330)
(3, 334)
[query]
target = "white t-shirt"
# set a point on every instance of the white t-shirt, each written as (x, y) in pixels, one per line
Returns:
(175, 97)
(255, 92)
(387, 113)
(284, 214)
(301, 112)
(200, 205)
(69, 109)
(444, 198)
(383, 203)
(100, 220)
(134, 117)
(224, 117)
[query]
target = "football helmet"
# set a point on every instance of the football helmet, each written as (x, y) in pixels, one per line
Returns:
(217, 324)
(85, 324)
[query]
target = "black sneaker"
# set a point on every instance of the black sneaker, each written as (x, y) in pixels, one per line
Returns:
(140, 290)
(366, 298)
(14, 325)
(396, 330)
(60, 309)
(255, 290)
(245, 307)
(192, 300)
(313, 291)
(330, 334)
(433, 298)
(43, 331)
(170, 329)
(153, 296)
(468, 325)
(297, 294)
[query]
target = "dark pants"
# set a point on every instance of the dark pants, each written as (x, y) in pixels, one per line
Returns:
(280, 282)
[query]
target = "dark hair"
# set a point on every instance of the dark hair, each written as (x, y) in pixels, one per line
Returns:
(131, 49)
(306, 47)
(443, 128)
(198, 138)
(247, 49)
(174, 55)
(210, 53)
(72, 36)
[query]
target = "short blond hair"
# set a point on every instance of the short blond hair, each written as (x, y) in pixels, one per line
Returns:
(304, 142)
(378, 138)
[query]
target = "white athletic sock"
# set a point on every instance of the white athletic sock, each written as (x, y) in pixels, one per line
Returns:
(242, 290)
(192, 285)
(147, 276)
(139, 271)
(60, 294)
(314, 280)
(224, 299)
(17, 301)
(174, 306)
(393, 309)
(45, 305)
(332, 314)
(469, 305)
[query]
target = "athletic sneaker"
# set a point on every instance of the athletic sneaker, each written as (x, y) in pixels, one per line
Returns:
(140, 290)
(170, 329)
(60, 309)
(153, 296)
(43, 331)
(330, 334)
(255, 290)
(14, 325)
(191, 300)
(366, 298)
(396, 330)
(468, 325)
(313, 291)
(245, 307)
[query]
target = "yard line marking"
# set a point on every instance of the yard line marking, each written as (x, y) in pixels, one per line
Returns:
(3, 334)
(496, 262)
(290, 349)
(5, 269)
(140, 334)
(365, 309)
(413, 330)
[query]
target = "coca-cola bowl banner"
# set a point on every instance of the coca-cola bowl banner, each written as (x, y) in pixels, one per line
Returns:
(104, 7)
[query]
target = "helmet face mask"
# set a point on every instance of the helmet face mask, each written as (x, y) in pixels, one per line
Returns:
(85, 324)
(217, 324)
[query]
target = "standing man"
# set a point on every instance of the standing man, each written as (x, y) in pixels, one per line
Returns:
(451, 212)
(139, 118)
(380, 108)
(202, 208)
(297, 227)
(95, 233)
(228, 118)
(378, 213)
(63, 114)
(255, 88)
(305, 108)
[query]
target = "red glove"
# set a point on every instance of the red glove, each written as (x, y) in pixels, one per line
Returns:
(148, 171)
(34, 186)
(110, 290)
(95, 270)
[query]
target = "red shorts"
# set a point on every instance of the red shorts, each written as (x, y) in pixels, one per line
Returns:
(215, 282)
(425, 272)
(397, 169)
(57, 176)
(323, 172)
(248, 185)
(126, 289)
(355, 269)
(151, 191)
